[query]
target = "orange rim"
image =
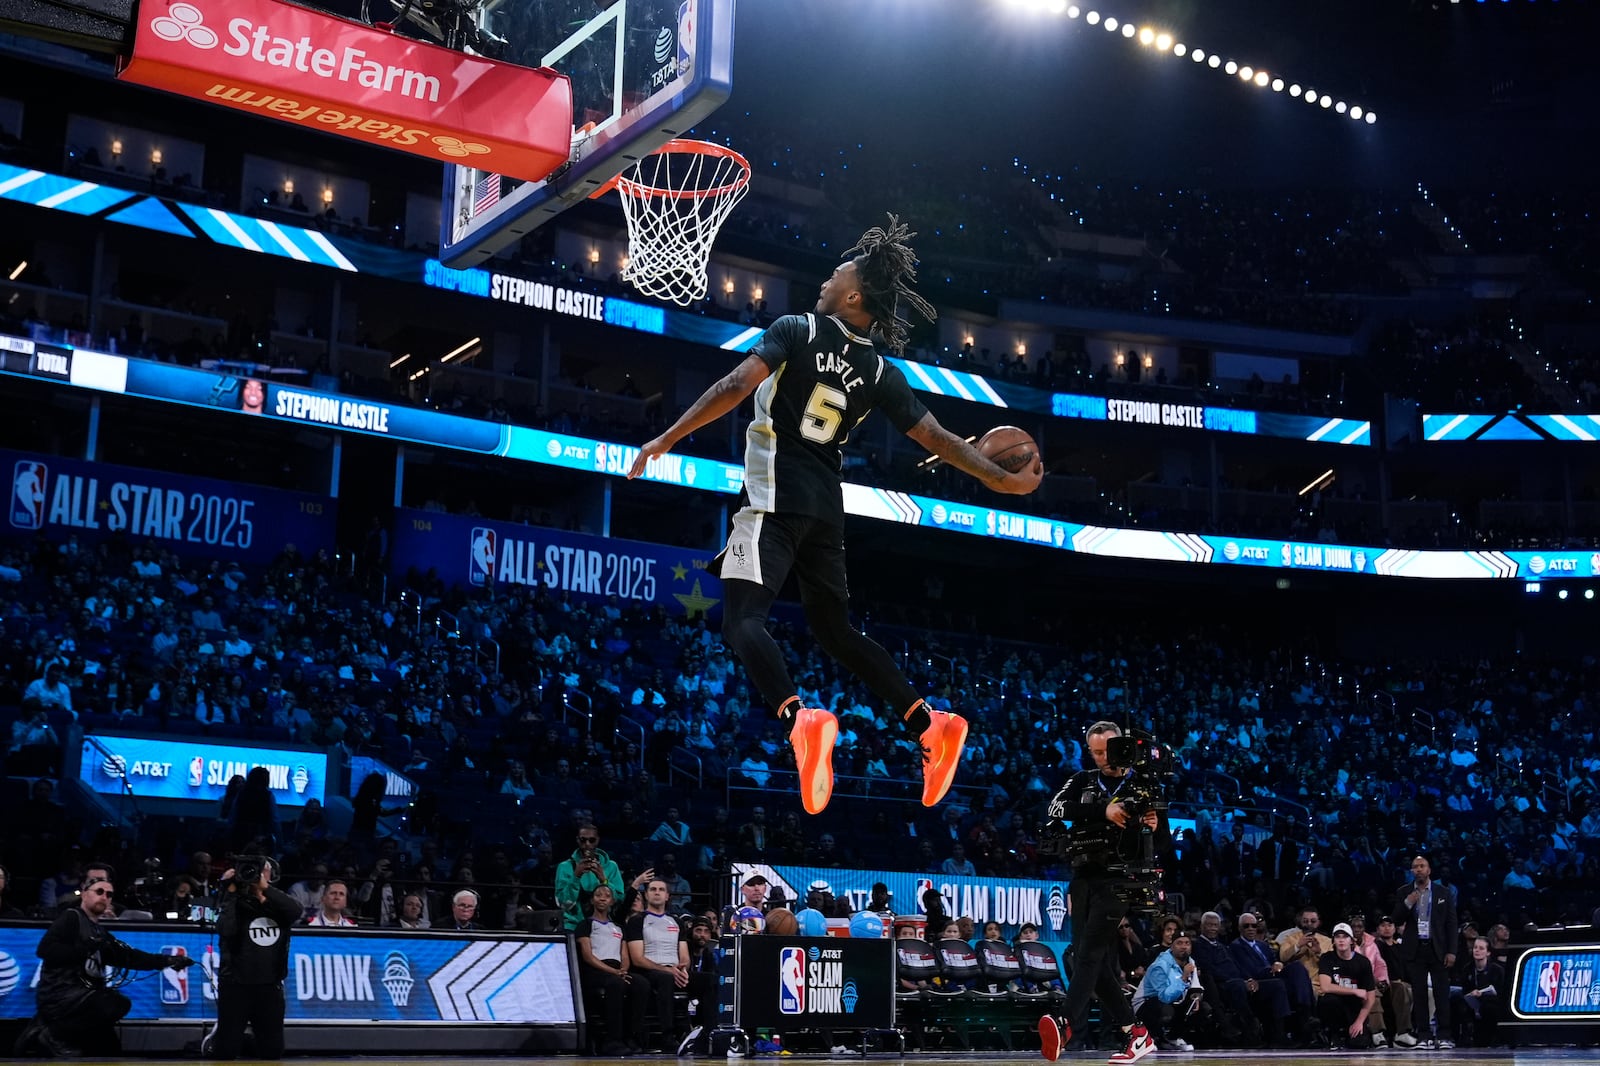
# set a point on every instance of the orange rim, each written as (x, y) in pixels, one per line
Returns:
(682, 146)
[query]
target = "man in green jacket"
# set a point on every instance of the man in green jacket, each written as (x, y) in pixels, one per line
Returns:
(578, 876)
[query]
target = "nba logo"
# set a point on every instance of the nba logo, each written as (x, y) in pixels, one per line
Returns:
(1549, 981)
(28, 480)
(197, 769)
(792, 981)
(480, 564)
(923, 884)
(685, 37)
(175, 983)
(600, 456)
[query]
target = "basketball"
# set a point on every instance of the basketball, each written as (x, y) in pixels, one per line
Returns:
(1009, 448)
(811, 923)
(781, 922)
(866, 925)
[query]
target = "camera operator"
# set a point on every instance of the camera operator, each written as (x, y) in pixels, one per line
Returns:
(253, 939)
(1103, 845)
(76, 1009)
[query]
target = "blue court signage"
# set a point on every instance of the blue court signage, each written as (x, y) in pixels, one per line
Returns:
(336, 976)
(189, 515)
(479, 553)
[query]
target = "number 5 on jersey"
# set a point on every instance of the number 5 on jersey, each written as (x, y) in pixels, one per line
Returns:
(824, 414)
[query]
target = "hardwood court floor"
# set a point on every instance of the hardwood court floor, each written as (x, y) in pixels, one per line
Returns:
(1536, 1056)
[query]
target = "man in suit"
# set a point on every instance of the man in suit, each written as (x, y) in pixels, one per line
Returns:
(1428, 911)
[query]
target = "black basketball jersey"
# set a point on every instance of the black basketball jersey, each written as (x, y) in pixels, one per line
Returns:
(825, 379)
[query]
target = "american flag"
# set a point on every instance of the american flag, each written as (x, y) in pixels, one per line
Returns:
(486, 193)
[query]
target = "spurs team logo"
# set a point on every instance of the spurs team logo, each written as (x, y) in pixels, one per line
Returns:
(737, 551)
(28, 481)
(185, 22)
(481, 558)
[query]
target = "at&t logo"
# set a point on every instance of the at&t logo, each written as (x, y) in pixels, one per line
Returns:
(1230, 551)
(185, 22)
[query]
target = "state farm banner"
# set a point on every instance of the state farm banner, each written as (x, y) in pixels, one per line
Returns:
(342, 77)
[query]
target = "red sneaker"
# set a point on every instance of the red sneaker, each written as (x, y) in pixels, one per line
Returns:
(1053, 1036)
(941, 744)
(813, 735)
(1139, 1045)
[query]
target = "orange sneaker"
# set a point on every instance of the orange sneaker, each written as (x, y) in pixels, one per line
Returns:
(941, 744)
(813, 735)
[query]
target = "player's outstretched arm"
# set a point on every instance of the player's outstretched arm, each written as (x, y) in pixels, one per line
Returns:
(964, 457)
(722, 397)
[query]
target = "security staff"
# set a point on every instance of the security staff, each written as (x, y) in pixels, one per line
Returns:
(253, 939)
(76, 1009)
(1105, 833)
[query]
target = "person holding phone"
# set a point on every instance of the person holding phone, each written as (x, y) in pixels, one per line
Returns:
(586, 869)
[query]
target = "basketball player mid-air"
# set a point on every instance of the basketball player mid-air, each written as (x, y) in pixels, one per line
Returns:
(815, 377)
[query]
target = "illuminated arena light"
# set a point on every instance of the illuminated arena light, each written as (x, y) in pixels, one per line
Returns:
(1165, 43)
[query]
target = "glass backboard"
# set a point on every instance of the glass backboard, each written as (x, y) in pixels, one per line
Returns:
(642, 71)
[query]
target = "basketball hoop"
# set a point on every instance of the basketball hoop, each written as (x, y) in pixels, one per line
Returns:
(675, 200)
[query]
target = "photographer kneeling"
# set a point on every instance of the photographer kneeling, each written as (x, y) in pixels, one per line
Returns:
(1102, 820)
(76, 1008)
(253, 939)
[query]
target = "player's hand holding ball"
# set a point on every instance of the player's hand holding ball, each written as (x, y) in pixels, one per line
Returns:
(1014, 451)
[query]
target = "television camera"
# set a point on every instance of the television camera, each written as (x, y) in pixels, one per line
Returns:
(1128, 855)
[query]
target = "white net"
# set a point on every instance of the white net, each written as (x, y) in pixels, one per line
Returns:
(675, 201)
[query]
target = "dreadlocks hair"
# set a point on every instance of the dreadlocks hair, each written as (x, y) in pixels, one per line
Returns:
(886, 266)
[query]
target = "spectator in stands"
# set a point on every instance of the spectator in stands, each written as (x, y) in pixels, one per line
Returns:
(958, 865)
(659, 955)
(672, 830)
(411, 912)
(1392, 1011)
(604, 970)
(754, 891)
(205, 617)
(331, 912)
(753, 834)
(308, 892)
(35, 748)
(1302, 945)
(1223, 976)
(8, 910)
(51, 690)
(1346, 992)
(253, 825)
(516, 782)
(666, 868)
(464, 911)
(1428, 910)
(1475, 1003)
(1262, 970)
(703, 979)
(1161, 1001)
(375, 899)
(585, 870)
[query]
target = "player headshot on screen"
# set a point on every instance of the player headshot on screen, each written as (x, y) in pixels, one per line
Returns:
(815, 378)
(254, 397)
